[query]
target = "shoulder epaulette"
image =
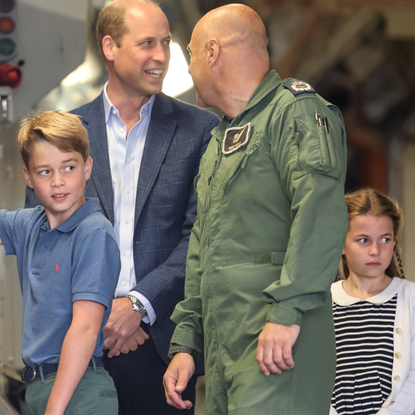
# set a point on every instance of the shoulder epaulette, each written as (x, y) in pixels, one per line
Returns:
(299, 87)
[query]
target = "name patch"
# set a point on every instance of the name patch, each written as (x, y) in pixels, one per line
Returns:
(235, 138)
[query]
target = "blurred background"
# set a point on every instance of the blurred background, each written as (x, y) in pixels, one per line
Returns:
(360, 55)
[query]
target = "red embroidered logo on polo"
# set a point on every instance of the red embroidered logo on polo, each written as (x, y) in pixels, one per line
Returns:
(57, 268)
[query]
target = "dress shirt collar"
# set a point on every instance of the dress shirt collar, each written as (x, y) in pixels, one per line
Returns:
(108, 106)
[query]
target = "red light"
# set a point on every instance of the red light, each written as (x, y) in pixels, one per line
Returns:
(6, 25)
(10, 76)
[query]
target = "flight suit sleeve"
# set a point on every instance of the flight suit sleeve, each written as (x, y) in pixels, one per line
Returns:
(188, 313)
(311, 162)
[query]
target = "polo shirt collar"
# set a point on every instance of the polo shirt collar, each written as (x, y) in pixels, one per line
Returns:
(344, 299)
(90, 206)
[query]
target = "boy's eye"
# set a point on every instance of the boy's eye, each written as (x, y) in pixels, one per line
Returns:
(44, 172)
(69, 168)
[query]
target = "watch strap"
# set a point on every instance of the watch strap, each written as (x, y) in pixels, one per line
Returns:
(178, 348)
(137, 305)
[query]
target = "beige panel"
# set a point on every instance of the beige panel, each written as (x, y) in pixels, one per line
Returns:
(408, 206)
(12, 193)
(400, 24)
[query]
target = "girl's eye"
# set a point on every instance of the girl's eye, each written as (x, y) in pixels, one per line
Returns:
(362, 240)
(386, 240)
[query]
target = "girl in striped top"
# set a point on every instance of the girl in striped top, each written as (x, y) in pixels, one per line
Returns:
(374, 312)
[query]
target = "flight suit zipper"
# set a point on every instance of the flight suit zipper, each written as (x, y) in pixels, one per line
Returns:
(210, 178)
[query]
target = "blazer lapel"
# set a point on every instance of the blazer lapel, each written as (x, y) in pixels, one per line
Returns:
(101, 170)
(160, 133)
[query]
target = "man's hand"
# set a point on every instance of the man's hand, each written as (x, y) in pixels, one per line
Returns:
(137, 339)
(123, 323)
(176, 378)
(275, 343)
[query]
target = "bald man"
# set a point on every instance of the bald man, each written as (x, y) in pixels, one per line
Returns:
(146, 148)
(266, 244)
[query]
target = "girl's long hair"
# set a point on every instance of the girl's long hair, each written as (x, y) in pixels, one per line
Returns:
(371, 202)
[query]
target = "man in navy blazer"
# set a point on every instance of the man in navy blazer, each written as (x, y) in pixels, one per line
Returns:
(169, 137)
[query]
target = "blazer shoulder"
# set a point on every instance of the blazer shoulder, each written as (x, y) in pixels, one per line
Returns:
(97, 105)
(179, 109)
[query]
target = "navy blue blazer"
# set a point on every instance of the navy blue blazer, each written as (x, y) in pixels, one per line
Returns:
(165, 208)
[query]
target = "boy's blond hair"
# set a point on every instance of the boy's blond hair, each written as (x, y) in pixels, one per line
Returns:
(60, 128)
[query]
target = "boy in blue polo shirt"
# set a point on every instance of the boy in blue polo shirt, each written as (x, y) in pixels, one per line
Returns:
(68, 263)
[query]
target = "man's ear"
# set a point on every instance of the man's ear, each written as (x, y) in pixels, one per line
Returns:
(108, 47)
(27, 177)
(88, 168)
(213, 51)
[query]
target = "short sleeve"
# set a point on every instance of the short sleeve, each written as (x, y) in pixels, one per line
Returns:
(13, 229)
(95, 262)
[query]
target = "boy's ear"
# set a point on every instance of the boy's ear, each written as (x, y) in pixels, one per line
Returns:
(27, 177)
(88, 168)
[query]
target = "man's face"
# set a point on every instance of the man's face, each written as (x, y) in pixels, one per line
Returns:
(197, 67)
(141, 62)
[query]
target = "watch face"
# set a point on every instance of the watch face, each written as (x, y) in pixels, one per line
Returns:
(137, 305)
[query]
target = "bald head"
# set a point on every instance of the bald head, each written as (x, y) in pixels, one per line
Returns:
(229, 57)
(235, 25)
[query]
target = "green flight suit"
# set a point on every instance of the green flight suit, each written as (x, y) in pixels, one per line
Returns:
(266, 244)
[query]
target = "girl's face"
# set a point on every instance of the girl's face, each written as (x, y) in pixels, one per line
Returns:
(369, 246)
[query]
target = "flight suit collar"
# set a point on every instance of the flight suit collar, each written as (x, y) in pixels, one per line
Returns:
(271, 81)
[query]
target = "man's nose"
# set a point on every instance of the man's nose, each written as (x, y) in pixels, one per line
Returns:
(162, 53)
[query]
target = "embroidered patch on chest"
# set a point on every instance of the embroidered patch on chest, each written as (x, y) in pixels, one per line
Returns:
(235, 138)
(299, 87)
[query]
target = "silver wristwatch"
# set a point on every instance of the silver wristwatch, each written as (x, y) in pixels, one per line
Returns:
(137, 305)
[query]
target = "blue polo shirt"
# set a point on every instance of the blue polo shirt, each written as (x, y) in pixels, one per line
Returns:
(77, 260)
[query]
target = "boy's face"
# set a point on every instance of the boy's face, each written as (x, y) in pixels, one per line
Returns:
(58, 179)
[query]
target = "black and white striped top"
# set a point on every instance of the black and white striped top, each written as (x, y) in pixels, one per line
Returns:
(364, 343)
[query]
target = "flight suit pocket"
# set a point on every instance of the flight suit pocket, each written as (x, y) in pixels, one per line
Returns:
(317, 149)
(241, 163)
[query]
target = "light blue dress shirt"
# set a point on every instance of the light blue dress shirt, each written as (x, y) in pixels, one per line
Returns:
(125, 160)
